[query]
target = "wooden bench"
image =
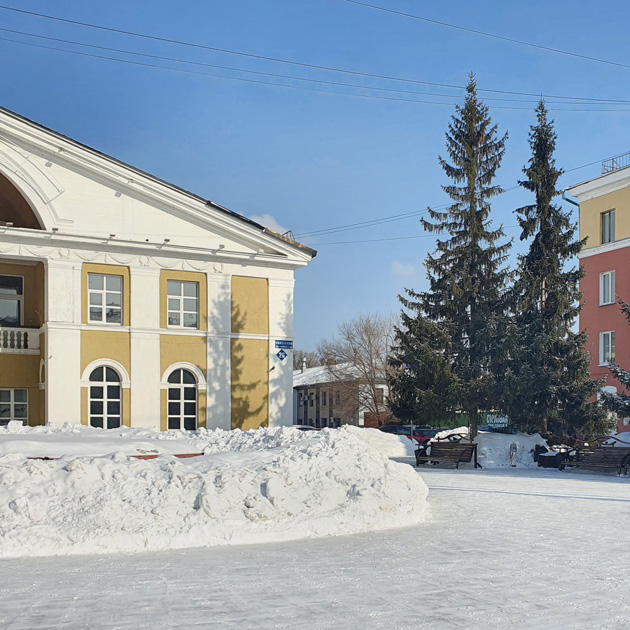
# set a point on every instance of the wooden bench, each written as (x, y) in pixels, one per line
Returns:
(604, 457)
(447, 453)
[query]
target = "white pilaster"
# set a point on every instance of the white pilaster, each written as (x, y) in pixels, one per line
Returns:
(63, 342)
(145, 347)
(219, 410)
(281, 371)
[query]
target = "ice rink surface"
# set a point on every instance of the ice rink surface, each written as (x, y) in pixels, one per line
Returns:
(502, 549)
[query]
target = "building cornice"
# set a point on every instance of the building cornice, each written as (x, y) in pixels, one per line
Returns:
(41, 244)
(605, 248)
(602, 185)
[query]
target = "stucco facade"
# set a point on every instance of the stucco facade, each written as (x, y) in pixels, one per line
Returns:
(605, 223)
(178, 300)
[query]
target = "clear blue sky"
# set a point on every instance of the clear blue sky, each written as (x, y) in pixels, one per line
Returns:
(315, 160)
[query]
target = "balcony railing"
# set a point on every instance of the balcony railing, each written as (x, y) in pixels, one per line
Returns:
(615, 163)
(19, 340)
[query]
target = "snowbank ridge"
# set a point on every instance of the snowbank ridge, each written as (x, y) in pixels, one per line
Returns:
(250, 487)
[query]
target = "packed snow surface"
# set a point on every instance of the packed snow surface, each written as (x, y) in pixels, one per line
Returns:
(511, 548)
(248, 487)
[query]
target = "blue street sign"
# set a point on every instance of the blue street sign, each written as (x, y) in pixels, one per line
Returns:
(287, 345)
(282, 355)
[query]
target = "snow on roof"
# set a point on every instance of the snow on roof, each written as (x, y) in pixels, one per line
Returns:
(321, 374)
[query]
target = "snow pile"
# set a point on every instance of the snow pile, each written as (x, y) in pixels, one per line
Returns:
(251, 487)
(388, 444)
(493, 450)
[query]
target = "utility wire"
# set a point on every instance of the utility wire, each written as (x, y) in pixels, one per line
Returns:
(399, 217)
(276, 75)
(285, 61)
(492, 35)
(296, 87)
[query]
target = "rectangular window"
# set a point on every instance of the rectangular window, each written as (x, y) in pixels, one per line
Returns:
(183, 304)
(105, 299)
(11, 300)
(608, 227)
(380, 395)
(13, 405)
(606, 347)
(323, 399)
(607, 288)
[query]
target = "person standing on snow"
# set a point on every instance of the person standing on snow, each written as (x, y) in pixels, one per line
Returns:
(513, 449)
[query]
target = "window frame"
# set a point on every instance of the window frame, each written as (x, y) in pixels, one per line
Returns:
(610, 334)
(105, 398)
(181, 387)
(181, 311)
(19, 298)
(103, 293)
(611, 287)
(608, 225)
(12, 404)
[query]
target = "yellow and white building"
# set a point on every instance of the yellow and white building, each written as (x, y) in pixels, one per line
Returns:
(127, 300)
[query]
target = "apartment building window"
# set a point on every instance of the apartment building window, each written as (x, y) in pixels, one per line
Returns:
(183, 304)
(607, 288)
(105, 298)
(380, 395)
(323, 399)
(11, 300)
(608, 226)
(13, 405)
(606, 347)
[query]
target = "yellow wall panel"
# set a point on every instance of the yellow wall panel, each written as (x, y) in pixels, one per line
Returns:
(591, 211)
(108, 270)
(105, 344)
(250, 383)
(250, 305)
(184, 276)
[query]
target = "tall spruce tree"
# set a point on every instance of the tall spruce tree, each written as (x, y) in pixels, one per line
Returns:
(547, 386)
(466, 273)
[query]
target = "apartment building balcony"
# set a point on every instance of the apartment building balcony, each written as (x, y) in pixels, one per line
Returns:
(19, 340)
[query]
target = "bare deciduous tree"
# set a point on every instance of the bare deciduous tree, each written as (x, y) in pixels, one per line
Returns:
(309, 359)
(357, 359)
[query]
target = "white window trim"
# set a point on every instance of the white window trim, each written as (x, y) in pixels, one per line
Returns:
(611, 275)
(125, 381)
(12, 404)
(181, 416)
(181, 310)
(16, 298)
(611, 333)
(181, 365)
(103, 307)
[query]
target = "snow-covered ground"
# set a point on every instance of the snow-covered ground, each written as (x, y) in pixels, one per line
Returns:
(506, 548)
(249, 487)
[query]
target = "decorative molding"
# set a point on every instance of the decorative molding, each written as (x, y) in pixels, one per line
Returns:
(125, 381)
(182, 365)
(605, 248)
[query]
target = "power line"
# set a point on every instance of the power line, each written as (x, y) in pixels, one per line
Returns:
(492, 35)
(273, 74)
(294, 87)
(287, 61)
(399, 217)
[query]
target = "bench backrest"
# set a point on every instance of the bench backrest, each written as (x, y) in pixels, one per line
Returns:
(453, 449)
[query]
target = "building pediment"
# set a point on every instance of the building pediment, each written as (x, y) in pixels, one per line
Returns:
(79, 193)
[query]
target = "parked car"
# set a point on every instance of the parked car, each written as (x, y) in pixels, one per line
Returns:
(304, 427)
(421, 435)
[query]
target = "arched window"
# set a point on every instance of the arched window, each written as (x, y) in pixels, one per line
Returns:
(105, 398)
(182, 400)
